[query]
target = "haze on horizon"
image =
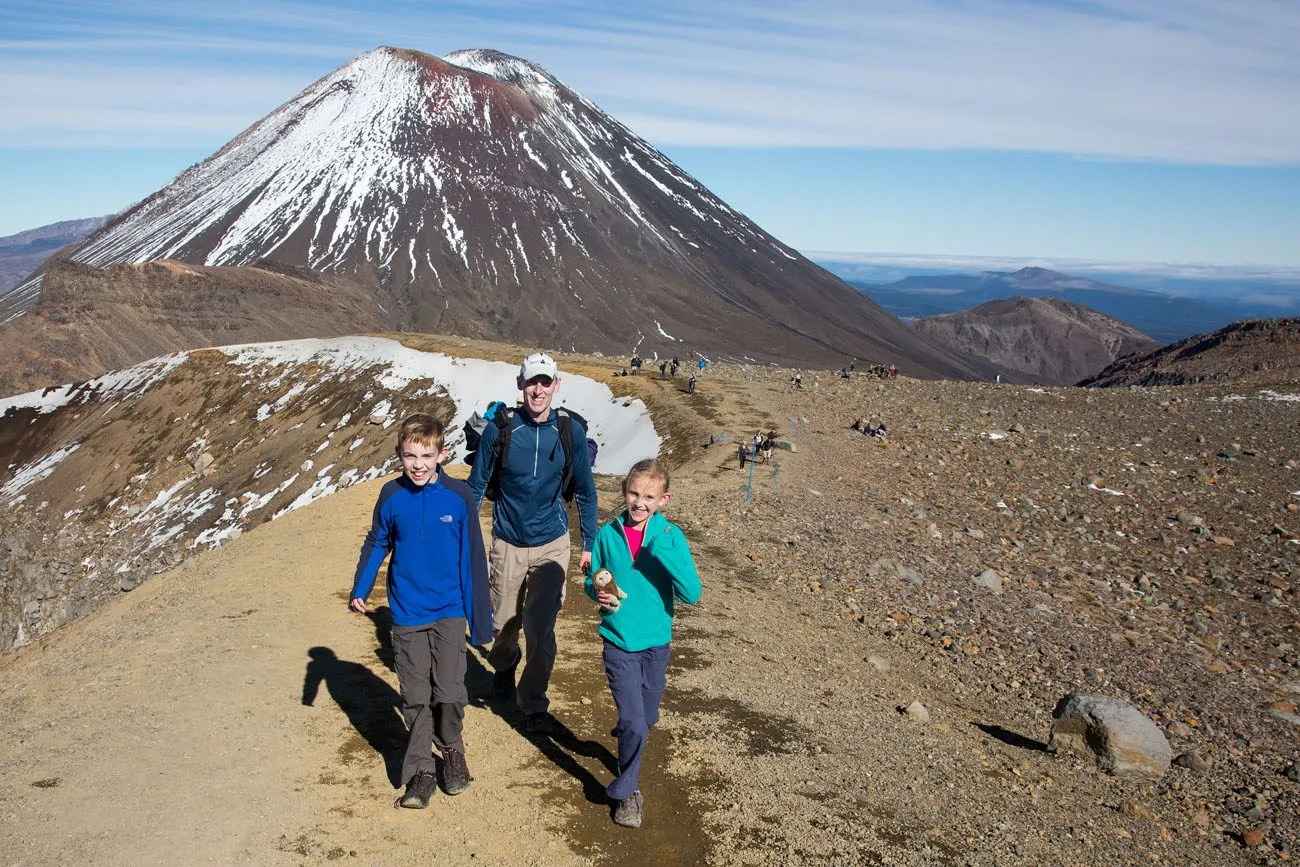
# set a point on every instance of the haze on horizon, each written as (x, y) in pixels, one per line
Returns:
(1095, 131)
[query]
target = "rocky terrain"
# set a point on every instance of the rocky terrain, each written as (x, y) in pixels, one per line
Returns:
(888, 623)
(1042, 340)
(1254, 351)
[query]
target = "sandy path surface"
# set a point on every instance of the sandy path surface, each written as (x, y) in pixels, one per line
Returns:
(232, 711)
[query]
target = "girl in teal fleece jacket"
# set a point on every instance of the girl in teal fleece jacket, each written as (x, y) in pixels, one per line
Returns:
(651, 568)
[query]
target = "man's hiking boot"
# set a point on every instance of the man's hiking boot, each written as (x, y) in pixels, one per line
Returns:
(455, 773)
(503, 682)
(539, 723)
(419, 791)
(627, 811)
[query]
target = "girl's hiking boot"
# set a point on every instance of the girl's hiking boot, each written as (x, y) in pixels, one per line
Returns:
(627, 811)
(455, 773)
(419, 791)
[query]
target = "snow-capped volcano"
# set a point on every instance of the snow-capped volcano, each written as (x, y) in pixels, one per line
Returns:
(479, 195)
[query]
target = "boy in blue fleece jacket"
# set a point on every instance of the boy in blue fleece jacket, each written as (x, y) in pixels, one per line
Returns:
(640, 565)
(436, 572)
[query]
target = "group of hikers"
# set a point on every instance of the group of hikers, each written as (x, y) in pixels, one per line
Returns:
(667, 369)
(441, 584)
(759, 448)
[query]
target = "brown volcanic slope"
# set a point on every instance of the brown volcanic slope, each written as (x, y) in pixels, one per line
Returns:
(1043, 340)
(479, 195)
(92, 320)
(1254, 351)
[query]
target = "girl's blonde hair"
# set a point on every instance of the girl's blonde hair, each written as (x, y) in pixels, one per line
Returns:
(651, 467)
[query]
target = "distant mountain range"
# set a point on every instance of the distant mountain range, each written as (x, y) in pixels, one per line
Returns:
(23, 253)
(1165, 318)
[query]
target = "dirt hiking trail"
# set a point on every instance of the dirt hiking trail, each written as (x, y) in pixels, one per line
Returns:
(232, 711)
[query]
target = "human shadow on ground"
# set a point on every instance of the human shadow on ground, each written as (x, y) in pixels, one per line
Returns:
(561, 746)
(381, 617)
(372, 706)
(1011, 738)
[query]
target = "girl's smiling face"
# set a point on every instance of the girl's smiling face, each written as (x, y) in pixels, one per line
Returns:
(644, 494)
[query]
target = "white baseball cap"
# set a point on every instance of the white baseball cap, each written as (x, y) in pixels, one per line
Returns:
(538, 364)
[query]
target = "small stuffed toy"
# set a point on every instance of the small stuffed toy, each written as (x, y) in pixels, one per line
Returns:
(604, 580)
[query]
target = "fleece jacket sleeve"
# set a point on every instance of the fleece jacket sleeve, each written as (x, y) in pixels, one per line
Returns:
(484, 463)
(584, 489)
(374, 549)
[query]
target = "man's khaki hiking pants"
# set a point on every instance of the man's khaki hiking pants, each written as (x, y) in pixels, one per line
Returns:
(527, 591)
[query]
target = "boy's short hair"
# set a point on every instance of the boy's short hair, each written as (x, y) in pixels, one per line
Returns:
(651, 467)
(422, 429)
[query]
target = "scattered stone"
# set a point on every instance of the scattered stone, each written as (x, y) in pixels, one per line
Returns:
(377, 417)
(1123, 741)
(1017, 428)
(916, 712)
(721, 437)
(1192, 762)
(1134, 810)
(1252, 837)
(990, 580)
(203, 463)
(879, 663)
(1292, 772)
(908, 574)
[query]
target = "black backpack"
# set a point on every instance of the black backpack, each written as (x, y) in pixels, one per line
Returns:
(503, 417)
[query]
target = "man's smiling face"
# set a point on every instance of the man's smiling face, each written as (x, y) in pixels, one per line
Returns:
(538, 393)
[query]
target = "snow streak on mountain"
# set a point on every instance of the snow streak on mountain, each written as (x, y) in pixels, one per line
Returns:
(479, 195)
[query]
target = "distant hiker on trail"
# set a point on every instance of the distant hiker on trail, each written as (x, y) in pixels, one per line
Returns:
(703, 362)
(743, 454)
(528, 473)
(663, 370)
(651, 565)
(437, 586)
(690, 383)
(674, 367)
(798, 379)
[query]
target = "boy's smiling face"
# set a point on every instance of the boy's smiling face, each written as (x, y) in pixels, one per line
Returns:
(644, 494)
(419, 460)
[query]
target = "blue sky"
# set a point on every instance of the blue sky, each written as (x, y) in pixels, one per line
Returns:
(1140, 131)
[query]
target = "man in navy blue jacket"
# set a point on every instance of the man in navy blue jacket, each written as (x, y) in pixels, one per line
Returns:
(529, 557)
(436, 552)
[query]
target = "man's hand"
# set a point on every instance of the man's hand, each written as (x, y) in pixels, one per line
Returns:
(584, 562)
(358, 605)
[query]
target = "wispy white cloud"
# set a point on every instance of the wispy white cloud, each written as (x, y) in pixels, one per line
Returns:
(1194, 81)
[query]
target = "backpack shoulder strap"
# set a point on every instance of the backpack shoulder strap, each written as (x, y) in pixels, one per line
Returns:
(504, 418)
(564, 425)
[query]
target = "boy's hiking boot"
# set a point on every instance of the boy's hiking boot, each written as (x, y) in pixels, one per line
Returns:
(539, 723)
(418, 791)
(503, 682)
(455, 773)
(627, 811)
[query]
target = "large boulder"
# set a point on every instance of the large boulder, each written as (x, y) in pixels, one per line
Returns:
(1123, 741)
